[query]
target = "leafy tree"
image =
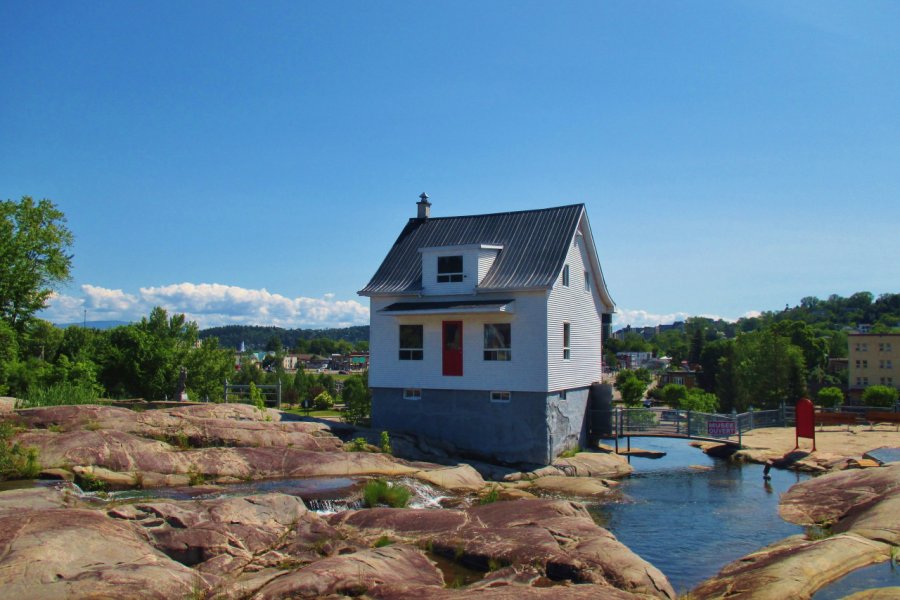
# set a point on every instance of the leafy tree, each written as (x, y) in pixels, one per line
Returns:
(9, 352)
(674, 394)
(34, 257)
(696, 352)
(630, 387)
(830, 397)
(357, 400)
(208, 366)
(880, 395)
(700, 401)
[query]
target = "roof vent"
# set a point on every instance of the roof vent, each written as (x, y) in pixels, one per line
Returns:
(424, 206)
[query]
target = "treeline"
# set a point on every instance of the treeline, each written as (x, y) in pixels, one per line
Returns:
(143, 359)
(303, 341)
(773, 358)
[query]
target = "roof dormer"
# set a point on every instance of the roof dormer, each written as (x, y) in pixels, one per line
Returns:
(456, 269)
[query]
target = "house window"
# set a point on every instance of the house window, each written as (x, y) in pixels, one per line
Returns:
(497, 341)
(881, 347)
(587, 281)
(859, 381)
(888, 364)
(411, 342)
(412, 393)
(858, 363)
(865, 364)
(567, 351)
(565, 281)
(563, 395)
(500, 396)
(450, 269)
(887, 346)
(866, 381)
(678, 380)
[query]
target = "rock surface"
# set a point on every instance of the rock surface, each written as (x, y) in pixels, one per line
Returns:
(210, 442)
(271, 546)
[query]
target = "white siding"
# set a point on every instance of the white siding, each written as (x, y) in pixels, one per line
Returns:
(486, 259)
(581, 309)
(527, 371)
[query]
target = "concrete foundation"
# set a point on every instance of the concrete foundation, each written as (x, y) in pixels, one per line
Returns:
(532, 427)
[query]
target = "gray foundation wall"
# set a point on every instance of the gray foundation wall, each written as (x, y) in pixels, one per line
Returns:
(532, 427)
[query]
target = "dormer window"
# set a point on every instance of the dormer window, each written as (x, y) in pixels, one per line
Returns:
(449, 269)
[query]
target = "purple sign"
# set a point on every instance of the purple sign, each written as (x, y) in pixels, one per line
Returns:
(721, 428)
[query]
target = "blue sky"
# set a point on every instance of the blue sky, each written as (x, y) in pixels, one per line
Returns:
(253, 162)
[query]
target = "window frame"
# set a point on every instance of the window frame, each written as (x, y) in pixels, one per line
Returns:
(501, 396)
(411, 352)
(565, 275)
(498, 353)
(412, 393)
(567, 340)
(448, 276)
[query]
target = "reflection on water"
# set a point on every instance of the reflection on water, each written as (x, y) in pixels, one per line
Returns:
(690, 515)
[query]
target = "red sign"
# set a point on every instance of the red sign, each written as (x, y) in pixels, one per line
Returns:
(806, 422)
(721, 428)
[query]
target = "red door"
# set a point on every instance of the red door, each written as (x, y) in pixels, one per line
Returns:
(453, 354)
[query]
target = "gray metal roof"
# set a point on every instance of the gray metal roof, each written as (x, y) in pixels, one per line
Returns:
(535, 243)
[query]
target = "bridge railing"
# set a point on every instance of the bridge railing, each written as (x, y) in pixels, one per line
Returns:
(674, 422)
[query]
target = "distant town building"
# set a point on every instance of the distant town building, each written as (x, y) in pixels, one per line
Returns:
(872, 359)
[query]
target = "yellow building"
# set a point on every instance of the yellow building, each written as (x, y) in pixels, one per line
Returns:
(874, 359)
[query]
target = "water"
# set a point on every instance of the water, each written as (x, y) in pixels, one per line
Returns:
(690, 515)
(873, 576)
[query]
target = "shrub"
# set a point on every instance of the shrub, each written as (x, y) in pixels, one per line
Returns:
(830, 397)
(323, 401)
(16, 462)
(674, 394)
(880, 395)
(385, 442)
(357, 400)
(382, 542)
(256, 397)
(379, 491)
(358, 445)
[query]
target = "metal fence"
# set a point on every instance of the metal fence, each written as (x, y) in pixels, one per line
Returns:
(237, 392)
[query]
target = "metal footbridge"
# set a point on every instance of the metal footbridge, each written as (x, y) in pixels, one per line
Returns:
(619, 423)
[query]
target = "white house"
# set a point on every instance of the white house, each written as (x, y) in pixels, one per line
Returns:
(486, 331)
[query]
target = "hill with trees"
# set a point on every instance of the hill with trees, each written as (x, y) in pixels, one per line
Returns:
(257, 337)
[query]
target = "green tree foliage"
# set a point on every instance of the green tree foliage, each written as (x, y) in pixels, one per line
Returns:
(34, 257)
(673, 394)
(880, 395)
(323, 401)
(208, 366)
(630, 386)
(357, 400)
(16, 461)
(698, 400)
(830, 397)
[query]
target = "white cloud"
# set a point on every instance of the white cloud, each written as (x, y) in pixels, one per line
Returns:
(642, 318)
(209, 304)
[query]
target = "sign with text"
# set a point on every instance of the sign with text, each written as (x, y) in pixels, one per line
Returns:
(721, 428)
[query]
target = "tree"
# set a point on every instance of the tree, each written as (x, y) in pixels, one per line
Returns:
(630, 387)
(880, 395)
(830, 397)
(700, 401)
(673, 394)
(34, 257)
(357, 400)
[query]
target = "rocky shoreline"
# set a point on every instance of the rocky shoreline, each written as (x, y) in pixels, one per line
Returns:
(518, 542)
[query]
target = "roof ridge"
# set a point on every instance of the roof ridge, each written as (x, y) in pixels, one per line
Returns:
(509, 212)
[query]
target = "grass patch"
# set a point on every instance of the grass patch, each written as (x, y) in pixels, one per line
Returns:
(380, 492)
(492, 496)
(57, 395)
(818, 532)
(382, 542)
(313, 413)
(92, 425)
(16, 461)
(195, 477)
(89, 483)
(570, 453)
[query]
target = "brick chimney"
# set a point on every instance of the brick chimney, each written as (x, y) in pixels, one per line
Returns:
(424, 206)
